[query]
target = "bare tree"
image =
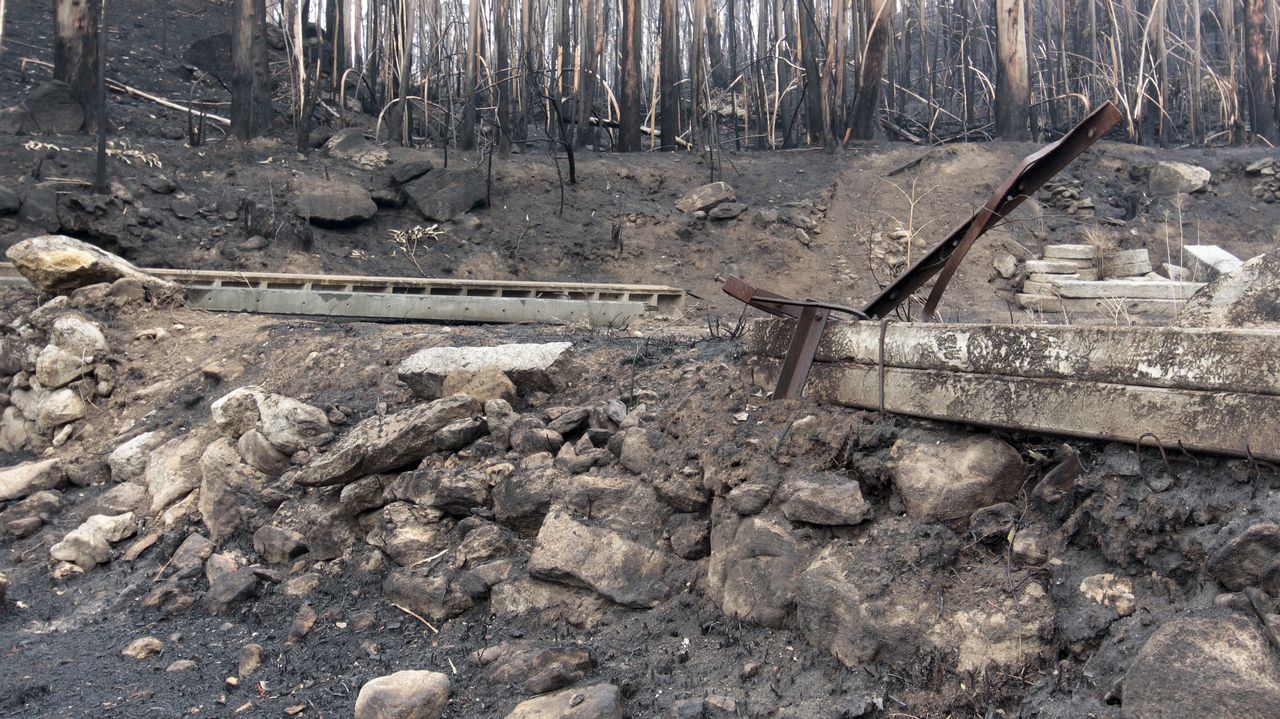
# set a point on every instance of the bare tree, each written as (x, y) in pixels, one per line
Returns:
(1261, 87)
(669, 62)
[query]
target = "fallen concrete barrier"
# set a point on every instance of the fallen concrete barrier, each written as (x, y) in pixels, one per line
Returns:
(1203, 389)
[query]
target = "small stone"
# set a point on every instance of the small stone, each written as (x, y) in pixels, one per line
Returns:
(143, 648)
(303, 622)
(250, 660)
(181, 665)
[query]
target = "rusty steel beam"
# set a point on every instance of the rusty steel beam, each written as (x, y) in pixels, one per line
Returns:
(1026, 179)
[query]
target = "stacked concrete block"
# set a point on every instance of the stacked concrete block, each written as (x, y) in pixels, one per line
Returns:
(1126, 263)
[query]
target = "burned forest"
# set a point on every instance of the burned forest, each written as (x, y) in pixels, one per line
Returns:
(672, 359)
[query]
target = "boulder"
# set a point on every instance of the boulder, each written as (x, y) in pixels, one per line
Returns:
(706, 197)
(639, 447)
(753, 568)
(1243, 561)
(727, 211)
(441, 195)
(406, 170)
(260, 454)
(58, 264)
(58, 408)
(522, 498)
(829, 499)
(291, 426)
(287, 424)
(56, 367)
(615, 567)
(1245, 297)
(1168, 178)
(407, 533)
(436, 597)
(30, 477)
(278, 545)
(382, 444)
(532, 367)
(211, 55)
(79, 335)
(599, 701)
(129, 460)
(229, 490)
(40, 209)
(89, 544)
(173, 471)
(409, 694)
(1212, 666)
(535, 668)
(949, 475)
(51, 108)
(333, 202)
(350, 144)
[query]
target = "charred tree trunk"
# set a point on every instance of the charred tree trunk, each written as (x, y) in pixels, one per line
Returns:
(502, 51)
(471, 82)
(1013, 89)
(632, 37)
(1261, 99)
(669, 70)
(75, 52)
(867, 99)
(250, 82)
(815, 89)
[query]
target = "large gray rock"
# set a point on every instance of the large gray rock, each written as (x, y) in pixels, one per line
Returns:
(1244, 560)
(1217, 666)
(829, 499)
(350, 144)
(286, 423)
(536, 668)
(58, 408)
(532, 367)
(129, 460)
(382, 444)
(56, 367)
(753, 568)
(1168, 178)
(442, 195)
(1245, 297)
(78, 334)
(706, 197)
(230, 490)
(949, 475)
(599, 701)
(29, 478)
(58, 264)
(333, 202)
(50, 108)
(89, 544)
(173, 470)
(408, 694)
(622, 570)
